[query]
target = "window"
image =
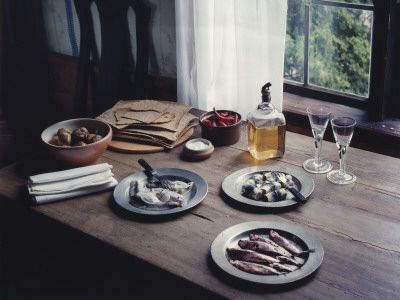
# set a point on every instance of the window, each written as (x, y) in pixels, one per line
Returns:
(336, 51)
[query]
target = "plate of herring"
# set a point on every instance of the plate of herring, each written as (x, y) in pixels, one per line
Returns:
(140, 194)
(267, 252)
(260, 186)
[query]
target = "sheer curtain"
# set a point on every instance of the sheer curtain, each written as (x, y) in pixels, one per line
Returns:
(227, 50)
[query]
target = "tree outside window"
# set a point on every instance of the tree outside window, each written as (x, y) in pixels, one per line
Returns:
(328, 44)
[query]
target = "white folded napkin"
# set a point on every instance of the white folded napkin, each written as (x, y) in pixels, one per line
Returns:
(68, 174)
(61, 185)
(56, 187)
(41, 199)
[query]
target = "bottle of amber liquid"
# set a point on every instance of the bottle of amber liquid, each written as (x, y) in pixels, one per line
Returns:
(266, 129)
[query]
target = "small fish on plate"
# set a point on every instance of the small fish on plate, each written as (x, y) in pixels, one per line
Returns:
(177, 186)
(284, 243)
(152, 195)
(254, 268)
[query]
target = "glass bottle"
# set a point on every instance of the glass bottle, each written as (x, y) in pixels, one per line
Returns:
(266, 129)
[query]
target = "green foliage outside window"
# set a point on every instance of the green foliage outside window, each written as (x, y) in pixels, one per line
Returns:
(339, 46)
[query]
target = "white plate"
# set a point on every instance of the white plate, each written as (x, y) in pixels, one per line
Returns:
(193, 197)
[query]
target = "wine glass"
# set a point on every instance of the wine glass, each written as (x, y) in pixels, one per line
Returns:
(343, 129)
(319, 116)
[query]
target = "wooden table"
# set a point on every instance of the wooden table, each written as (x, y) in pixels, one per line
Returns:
(358, 225)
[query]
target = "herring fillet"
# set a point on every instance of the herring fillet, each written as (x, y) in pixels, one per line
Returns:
(251, 256)
(254, 268)
(166, 195)
(177, 186)
(281, 241)
(255, 257)
(281, 267)
(289, 260)
(255, 237)
(262, 247)
(143, 196)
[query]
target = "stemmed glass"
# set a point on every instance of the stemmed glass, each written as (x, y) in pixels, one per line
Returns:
(343, 129)
(319, 116)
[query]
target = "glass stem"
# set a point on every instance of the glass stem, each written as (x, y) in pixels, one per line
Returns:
(342, 157)
(318, 145)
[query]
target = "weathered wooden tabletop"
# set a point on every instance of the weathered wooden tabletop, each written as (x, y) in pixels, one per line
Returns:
(358, 225)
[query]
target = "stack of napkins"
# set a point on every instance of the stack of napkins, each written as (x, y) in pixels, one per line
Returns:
(149, 121)
(61, 185)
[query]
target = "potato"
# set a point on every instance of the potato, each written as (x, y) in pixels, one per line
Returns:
(93, 138)
(84, 129)
(79, 137)
(78, 143)
(61, 130)
(79, 134)
(55, 141)
(65, 137)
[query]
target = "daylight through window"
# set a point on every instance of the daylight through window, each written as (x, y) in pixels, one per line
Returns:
(328, 44)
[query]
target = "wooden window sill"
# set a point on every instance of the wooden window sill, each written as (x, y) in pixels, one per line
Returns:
(380, 137)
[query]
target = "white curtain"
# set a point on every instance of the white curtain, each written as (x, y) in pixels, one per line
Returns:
(227, 50)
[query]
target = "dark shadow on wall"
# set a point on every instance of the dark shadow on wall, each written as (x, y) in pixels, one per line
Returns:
(26, 100)
(30, 97)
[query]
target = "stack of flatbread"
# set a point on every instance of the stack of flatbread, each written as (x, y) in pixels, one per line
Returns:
(149, 121)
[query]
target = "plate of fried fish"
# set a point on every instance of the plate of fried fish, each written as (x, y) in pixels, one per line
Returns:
(259, 186)
(139, 194)
(267, 252)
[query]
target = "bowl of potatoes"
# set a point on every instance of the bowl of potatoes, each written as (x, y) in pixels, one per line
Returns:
(78, 141)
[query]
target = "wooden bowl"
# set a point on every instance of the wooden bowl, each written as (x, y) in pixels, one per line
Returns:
(220, 135)
(78, 155)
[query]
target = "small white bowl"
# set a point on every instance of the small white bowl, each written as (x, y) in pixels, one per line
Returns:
(198, 148)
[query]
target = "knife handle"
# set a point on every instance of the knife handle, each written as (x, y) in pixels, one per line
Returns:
(147, 167)
(297, 194)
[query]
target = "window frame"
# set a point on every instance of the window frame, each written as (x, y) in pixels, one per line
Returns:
(379, 102)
